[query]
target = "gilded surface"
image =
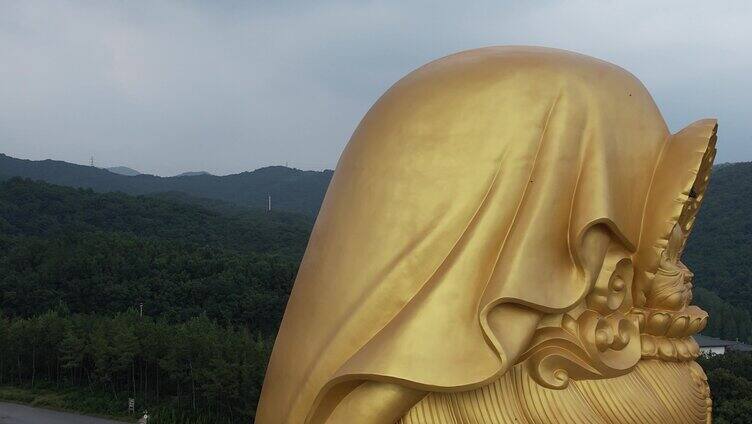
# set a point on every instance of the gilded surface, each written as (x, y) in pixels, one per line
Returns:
(654, 392)
(501, 242)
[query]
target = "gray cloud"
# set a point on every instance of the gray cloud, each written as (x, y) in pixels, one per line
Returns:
(165, 87)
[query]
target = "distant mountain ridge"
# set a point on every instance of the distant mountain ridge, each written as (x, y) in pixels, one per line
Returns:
(123, 170)
(192, 174)
(290, 189)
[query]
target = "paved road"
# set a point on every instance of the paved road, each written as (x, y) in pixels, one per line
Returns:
(11, 413)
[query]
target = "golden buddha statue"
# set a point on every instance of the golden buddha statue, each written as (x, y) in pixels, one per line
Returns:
(501, 243)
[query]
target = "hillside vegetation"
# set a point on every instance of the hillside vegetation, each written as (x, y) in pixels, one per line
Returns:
(37, 209)
(77, 266)
(719, 251)
(730, 379)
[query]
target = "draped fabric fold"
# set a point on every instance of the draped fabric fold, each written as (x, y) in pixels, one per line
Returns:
(469, 183)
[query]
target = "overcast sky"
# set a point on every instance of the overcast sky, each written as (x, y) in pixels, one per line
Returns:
(166, 87)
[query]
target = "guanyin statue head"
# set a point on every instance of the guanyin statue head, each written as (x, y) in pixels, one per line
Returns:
(505, 224)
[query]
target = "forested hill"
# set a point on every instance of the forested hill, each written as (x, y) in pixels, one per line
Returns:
(719, 251)
(33, 208)
(291, 189)
(77, 266)
(720, 247)
(107, 252)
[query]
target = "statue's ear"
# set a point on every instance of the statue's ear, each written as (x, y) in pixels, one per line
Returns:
(515, 339)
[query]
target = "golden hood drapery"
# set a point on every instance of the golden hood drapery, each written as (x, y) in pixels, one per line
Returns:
(469, 183)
